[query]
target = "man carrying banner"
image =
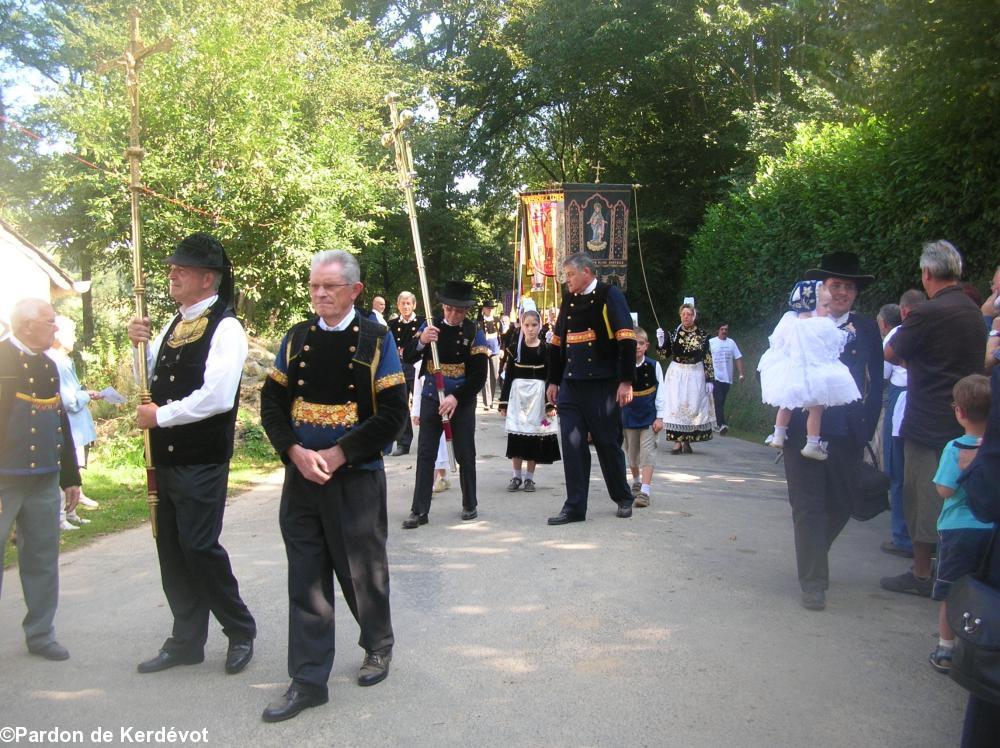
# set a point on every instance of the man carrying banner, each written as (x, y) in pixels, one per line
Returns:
(591, 365)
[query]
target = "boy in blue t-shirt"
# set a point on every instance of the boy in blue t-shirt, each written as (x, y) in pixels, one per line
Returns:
(962, 539)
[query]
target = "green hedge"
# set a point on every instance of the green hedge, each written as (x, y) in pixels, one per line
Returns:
(863, 188)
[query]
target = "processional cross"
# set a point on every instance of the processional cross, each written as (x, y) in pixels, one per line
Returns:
(132, 61)
(599, 169)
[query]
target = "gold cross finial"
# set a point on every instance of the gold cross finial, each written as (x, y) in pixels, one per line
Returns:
(599, 169)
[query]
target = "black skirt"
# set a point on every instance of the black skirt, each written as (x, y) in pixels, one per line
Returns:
(541, 449)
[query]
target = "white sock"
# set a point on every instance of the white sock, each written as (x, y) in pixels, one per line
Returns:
(780, 431)
(946, 643)
(529, 476)
(812, 440)
(517, 473)
(646, 488)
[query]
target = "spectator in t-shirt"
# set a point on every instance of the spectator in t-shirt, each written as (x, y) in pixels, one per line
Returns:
(941, 341)
(725, 355)
(991, 307)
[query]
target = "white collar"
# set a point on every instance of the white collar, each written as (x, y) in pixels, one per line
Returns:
(190, 312)
(841, 321)
(21, 346)
(408, 320)
(340, 326)
(590, 288)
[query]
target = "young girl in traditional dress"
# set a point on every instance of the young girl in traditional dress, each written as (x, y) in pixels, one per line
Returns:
(441, 463)
(802, 368)
(531, 421)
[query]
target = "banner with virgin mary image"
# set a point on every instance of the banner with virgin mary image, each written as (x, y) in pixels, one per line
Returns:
(596, 218)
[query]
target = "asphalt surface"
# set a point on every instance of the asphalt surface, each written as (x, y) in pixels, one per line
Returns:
(678, 627)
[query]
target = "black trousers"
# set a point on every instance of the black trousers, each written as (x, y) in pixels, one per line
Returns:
(194, 567)
(340, 529)
(591, 406)
(719, 393)
(820, 493)
(405, 438)
(463, 429)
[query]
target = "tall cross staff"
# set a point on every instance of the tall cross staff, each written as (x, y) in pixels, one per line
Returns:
(404, 169)
(132, 60)
(599, 169)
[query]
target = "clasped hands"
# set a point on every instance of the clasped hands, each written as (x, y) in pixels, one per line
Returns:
(317, 465)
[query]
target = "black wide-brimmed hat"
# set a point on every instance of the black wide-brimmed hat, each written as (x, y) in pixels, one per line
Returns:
(201, 250)
(457, 294)
(839, 265)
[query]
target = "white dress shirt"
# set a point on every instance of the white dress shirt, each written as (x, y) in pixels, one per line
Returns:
(223, 370)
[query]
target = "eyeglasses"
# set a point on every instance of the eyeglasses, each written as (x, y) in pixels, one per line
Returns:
(327, 286)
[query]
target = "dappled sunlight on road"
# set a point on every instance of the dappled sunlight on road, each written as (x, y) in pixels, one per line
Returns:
(475, 550)
(469, 610)
(564, 546)
(678, 477)
(504, 662)
(86, 693)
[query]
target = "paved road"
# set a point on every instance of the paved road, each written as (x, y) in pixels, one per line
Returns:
(678, 627)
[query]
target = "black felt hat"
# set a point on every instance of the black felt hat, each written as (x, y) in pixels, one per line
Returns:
(839, 265)
(201, 250)
(457, 294)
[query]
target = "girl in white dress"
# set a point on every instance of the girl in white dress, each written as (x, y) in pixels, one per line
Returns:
(802, 367)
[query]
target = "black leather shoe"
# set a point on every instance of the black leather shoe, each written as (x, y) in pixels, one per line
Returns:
(814, 600)
(564, 518)
(293, 702)
(375, 668)
(624, 510)
(165, 660)
(52, 650)
(414, 521)
(468, 514)
(239, 655)
(400, 451)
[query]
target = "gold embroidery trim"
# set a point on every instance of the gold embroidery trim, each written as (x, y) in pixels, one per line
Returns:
(453, 371)
(556, 340)
(580, 337)
(625, 334)
(47, 403)
(479, 349)
(188, 331)
(643, 393)
(319, 414)
(280, 377)
(390, 380)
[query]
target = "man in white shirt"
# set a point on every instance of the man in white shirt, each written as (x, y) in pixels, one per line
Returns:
(196, 363)
(725, 355)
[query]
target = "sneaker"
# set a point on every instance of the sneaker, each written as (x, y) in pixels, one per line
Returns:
(641, 500)
(529, 486)
(88, 503)
(441, 484)
(636, 489)
(515, 484)
(813, 451)
(76, 519)
(814, 600)
(64, 525)
(778, 442)
(940, 659)
(909, 584)
(723, 429)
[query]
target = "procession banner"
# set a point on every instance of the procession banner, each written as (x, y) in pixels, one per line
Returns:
(543, 235)
(596, 217)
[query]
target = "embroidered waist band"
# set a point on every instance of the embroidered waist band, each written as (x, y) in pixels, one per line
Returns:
(321, 414)
(581, 337)
(42, 403)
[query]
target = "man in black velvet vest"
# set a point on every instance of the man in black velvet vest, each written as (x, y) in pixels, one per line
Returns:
(36, 459)
(196, 363)
(336, 395)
